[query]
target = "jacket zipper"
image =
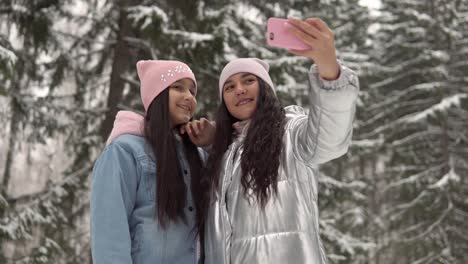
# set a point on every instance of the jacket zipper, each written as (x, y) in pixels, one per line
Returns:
(197, 251)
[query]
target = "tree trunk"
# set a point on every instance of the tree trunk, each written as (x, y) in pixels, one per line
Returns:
(14, 125)
(121, 63)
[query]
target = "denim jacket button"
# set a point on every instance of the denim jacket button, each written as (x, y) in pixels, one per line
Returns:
(190, 208)
(185, 171)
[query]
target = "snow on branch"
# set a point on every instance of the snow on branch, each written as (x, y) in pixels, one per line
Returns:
(428, 259)
(20, 8)
(3, 201)
(367, 143)
(146, 13)
(449, 176)
(412, 179)
(323, 179)
(42, 210)
(346, 242)
(415, 137)
(402, 208)
(194, 36)
(8, 55)
(445, 104)
(418, 15)
(408, 68)
(431, 227)
(288, 60)
(42, 253)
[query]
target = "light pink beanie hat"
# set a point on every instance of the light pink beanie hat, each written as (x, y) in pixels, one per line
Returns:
(156, 75)
(254, 66)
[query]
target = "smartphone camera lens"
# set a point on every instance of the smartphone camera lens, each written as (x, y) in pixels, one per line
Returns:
(272, 36)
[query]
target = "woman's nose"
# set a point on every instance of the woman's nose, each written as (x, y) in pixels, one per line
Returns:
(188, 95)
(189, 98)
(240, 89)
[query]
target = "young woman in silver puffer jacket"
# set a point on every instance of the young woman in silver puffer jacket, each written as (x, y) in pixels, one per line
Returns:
(261, 185)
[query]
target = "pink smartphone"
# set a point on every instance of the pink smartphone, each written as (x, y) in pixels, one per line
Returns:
(279, 36)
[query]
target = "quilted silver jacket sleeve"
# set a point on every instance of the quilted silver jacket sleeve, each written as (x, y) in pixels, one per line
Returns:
(325, 133)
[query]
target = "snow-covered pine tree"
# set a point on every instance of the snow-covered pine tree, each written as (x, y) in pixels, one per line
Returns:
(456, 134)
(188, 31)
(343, 185)
(7, 61)
(413, 118)
(36, 113)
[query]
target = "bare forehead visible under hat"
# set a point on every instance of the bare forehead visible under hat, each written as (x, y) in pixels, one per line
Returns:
(186, 82)
(242, 75)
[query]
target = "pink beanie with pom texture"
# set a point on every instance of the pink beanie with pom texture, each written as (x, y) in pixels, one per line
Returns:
(254, 66)
(156, 75)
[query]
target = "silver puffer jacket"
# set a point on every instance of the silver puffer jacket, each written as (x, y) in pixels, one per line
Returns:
(287, 230)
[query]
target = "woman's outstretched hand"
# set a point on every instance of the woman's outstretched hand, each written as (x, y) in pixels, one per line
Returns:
(321, 39)
(201, 132)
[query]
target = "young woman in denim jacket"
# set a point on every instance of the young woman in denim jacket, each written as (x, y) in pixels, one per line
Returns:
(261, 204)
(145, 183)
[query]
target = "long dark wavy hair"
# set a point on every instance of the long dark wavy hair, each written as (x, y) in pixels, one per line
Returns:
(261, 154)
(171, 192)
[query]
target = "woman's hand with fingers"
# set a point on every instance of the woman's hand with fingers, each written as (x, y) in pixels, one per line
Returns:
(201, 132)
(321, 39)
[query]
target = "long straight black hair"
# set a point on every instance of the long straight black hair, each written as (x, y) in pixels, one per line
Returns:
(261, 154)
(171, 192)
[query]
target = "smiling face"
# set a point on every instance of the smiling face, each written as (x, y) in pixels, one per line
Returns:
(240, 94)
(182, 102)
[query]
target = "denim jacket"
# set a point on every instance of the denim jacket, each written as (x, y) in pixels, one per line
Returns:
(123, 225)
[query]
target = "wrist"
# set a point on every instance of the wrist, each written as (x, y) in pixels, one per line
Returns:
(329, 72)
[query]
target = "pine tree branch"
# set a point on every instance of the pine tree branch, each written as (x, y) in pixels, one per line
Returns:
(129, 79)
(431, 227)
(107, 43)
(412, 179)
(142, 44)
(38, 197)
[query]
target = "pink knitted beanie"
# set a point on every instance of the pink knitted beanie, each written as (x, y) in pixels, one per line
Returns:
(157, 75)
